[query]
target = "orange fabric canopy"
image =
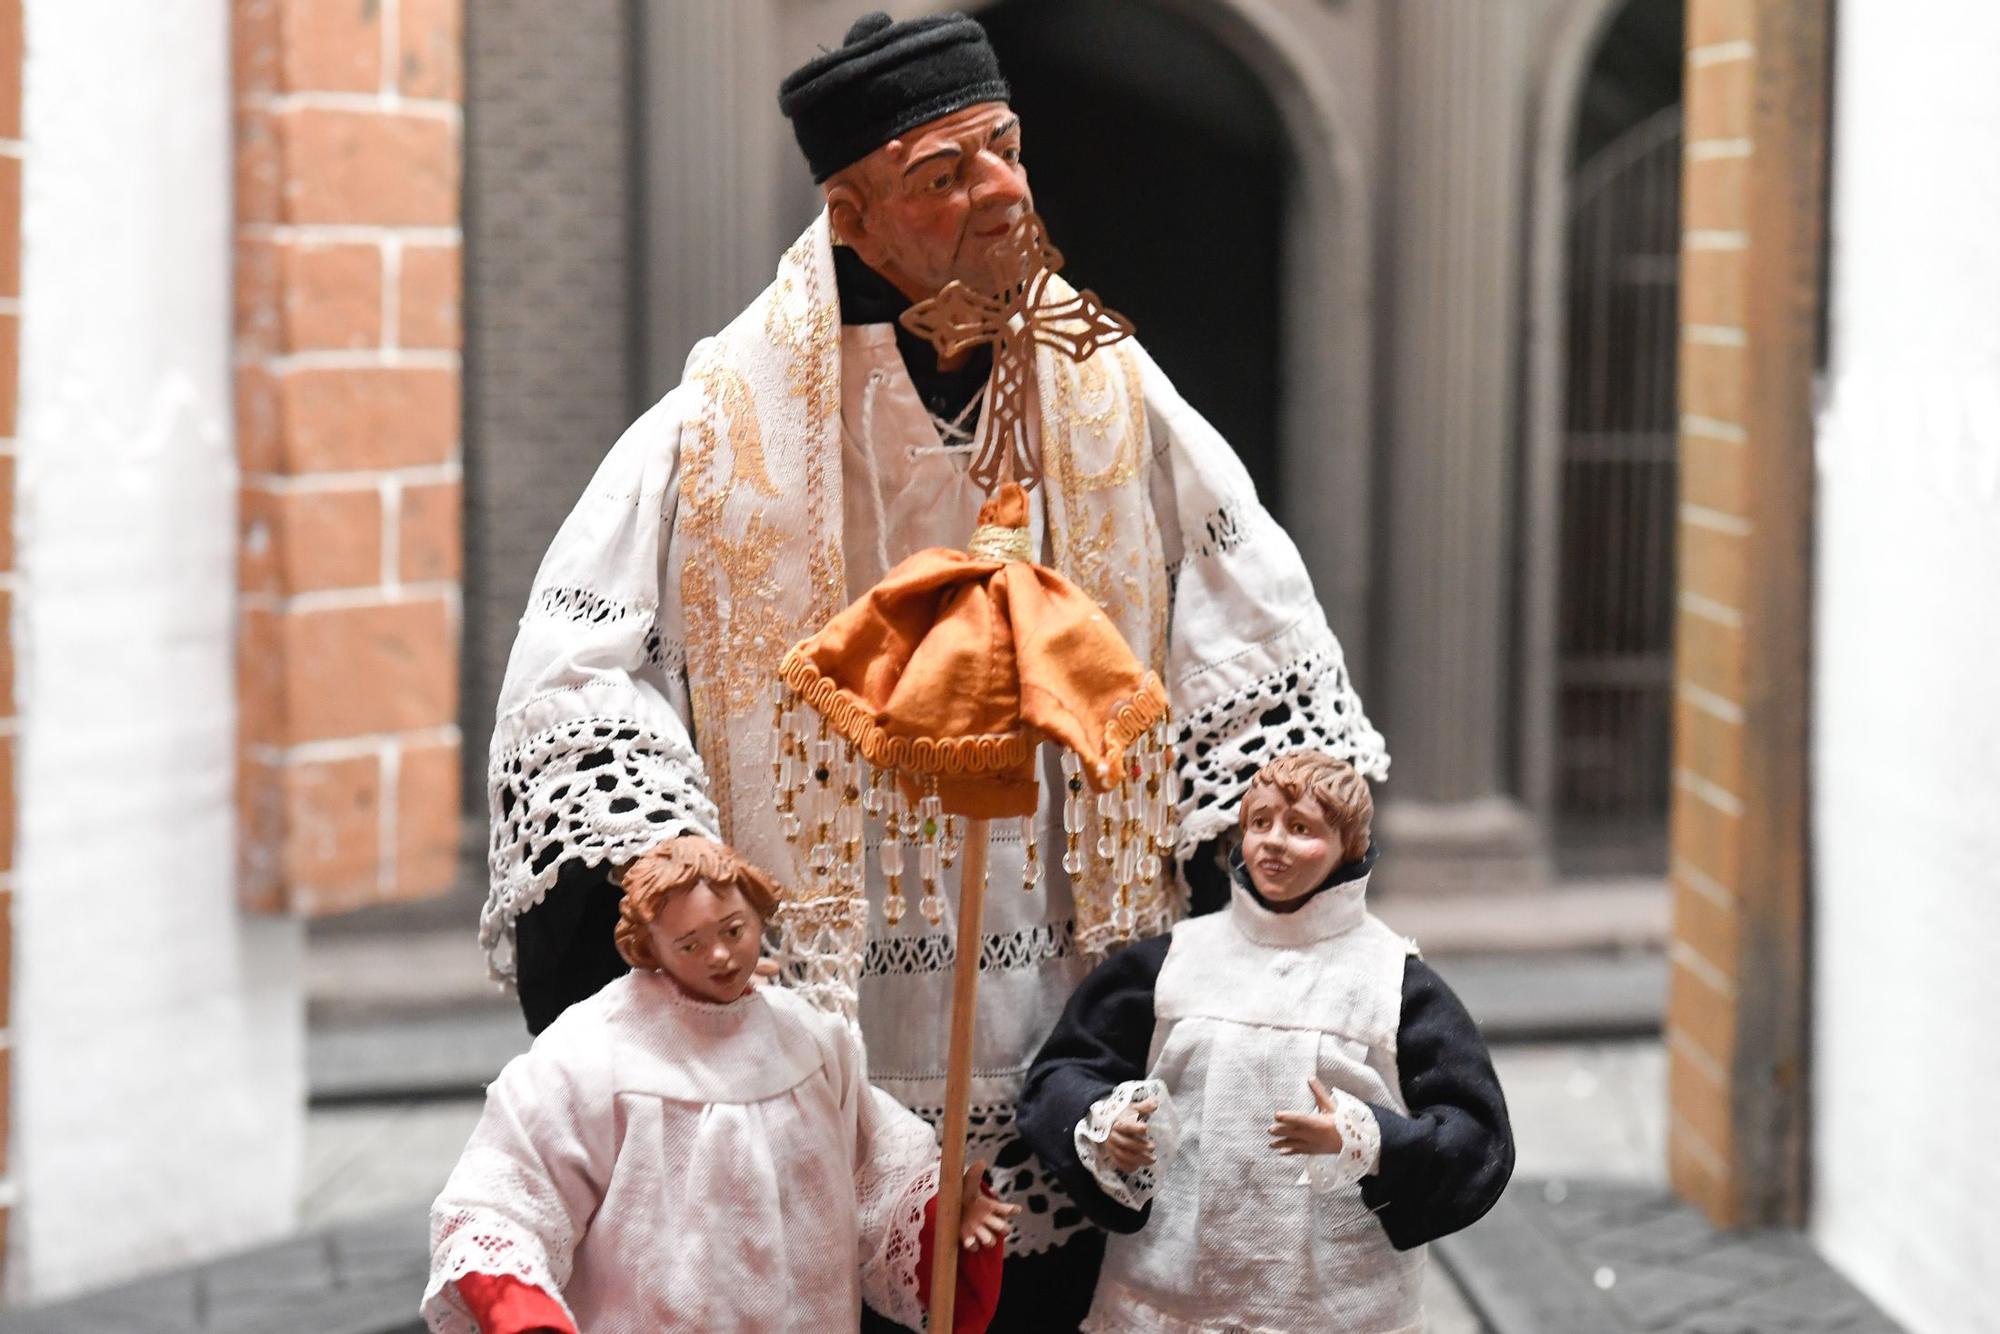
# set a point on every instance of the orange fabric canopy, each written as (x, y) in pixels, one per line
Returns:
(957, 665)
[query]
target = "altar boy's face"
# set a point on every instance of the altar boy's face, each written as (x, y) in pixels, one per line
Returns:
(1288, 846)
(707, 941)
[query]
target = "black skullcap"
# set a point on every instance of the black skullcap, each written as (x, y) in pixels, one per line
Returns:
(887, 78)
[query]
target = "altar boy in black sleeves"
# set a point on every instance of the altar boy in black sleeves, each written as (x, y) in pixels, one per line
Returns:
(1277, 1105)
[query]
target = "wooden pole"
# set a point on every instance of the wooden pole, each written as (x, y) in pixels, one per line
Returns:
(958, 1078)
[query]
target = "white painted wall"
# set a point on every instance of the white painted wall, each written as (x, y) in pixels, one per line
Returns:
(158, 1106)
(1906, 762)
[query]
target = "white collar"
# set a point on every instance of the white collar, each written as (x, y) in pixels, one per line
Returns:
(712, 1015)
(1333, 911)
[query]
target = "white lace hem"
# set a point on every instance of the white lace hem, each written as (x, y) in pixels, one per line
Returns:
(1360, 1152)
(890, 1279)
(594, 788)
(1306, 704)
(480, 1241)
(1131, 1189)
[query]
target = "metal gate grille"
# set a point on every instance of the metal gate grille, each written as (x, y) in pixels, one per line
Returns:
(1619, 499)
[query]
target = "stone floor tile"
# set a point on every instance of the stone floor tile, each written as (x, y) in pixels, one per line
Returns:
(1650, 1296)
(1586, 1111)
(1712, 1322)
(1666, 1235)
(268, 1273)
(362, 1161)
(1818, 1300)
(385, 1248)
(1612, 1258)
(1756, 1266)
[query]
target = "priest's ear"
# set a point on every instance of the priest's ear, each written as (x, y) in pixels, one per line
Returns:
(847, 212)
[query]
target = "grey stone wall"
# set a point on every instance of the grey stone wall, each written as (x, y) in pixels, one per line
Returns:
(551, 284)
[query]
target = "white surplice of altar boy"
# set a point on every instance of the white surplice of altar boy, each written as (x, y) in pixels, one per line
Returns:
(1273, 1108)
(688, 1151)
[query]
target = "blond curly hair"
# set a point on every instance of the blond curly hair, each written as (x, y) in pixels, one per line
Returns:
(1338, 787)
(675, 865)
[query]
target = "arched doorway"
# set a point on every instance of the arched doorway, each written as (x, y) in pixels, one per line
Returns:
(1617, 492)
(1164, 172)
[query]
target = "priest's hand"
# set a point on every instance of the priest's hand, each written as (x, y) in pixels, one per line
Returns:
(1307, 1132)
(763, 972)
(982, 1217)
(1130, 1144)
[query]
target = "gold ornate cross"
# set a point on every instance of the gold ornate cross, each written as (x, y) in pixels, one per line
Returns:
(1014, 319)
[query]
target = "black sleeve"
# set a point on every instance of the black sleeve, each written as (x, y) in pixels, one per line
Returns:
(1445, 1163)
(1100, 1042)
(564, 946)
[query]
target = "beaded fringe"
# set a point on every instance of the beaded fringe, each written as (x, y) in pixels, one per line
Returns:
(829, 793)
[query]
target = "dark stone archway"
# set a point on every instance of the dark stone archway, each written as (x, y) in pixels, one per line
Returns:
(1162, 165)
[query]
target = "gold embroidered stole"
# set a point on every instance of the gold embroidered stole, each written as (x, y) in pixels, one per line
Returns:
(757, 546)
(1096, 452)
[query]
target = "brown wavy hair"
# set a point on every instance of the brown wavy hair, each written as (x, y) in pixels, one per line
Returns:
(677, 864)
(1338, 787)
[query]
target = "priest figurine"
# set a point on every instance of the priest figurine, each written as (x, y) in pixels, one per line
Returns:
(812, 444)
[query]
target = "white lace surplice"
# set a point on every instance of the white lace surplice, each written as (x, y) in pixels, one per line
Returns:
(594, 754)
(663, 1164)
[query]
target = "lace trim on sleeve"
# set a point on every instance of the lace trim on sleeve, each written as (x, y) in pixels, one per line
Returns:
(593, 788)
(889, 1280)
(1131, 1189)
(1360, 1147)
(1307, 704)
(480, 1241)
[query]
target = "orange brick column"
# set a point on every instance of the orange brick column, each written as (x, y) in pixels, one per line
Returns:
(349, 128)
(10, 365)
(1753, 214)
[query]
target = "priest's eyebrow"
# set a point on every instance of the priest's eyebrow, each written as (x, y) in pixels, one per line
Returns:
(1000, 131)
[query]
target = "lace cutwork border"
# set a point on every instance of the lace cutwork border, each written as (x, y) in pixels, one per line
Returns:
(1308, 704)
(572, 602)
(937, 952)
(1220, 531)
(1047, 1218)
(596, 789)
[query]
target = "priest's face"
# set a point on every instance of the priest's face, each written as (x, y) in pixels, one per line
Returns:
(932, 205)
(707, 941)
(1289, 846)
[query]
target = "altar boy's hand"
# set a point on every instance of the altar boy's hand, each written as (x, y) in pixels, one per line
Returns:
(1130, 1144)
(982, 1218)
(1307, 1132)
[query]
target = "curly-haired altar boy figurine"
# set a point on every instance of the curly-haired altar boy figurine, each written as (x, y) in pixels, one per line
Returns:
(1278, 1104)
(687, 1151)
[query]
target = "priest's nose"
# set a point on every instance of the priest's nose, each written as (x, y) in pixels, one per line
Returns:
(998, 182)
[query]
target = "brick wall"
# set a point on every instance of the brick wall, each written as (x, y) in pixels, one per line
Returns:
(1753, 209)
(10, 348)
(348, 389)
